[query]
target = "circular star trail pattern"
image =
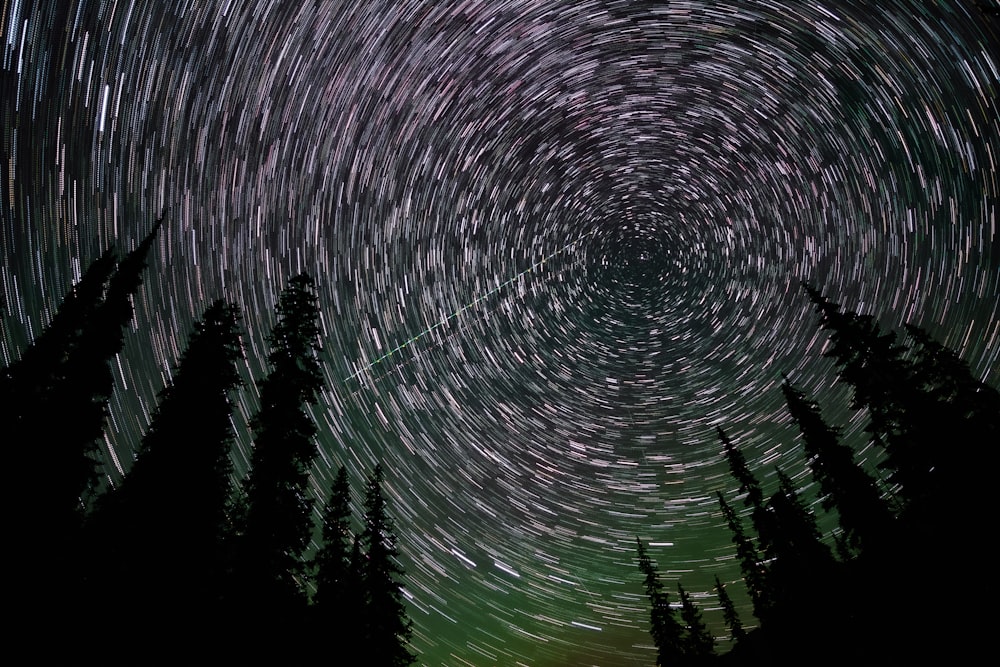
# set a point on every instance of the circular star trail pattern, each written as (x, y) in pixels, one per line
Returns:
(557, 244)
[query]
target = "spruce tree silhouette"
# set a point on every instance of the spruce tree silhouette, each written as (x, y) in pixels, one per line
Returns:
(337, 602)
(666, 631)
(268, 567)
(699, 643)
(751, 564)
(87, 387)
(387, 628)
(811, 607)
(875, 366)
(754, 499)
(42, 365)
(964, 413)
(949, 381)
(157, 540)
(863, 516)
(798, 540)
(55, 401)
(56, 395)
(29, 388)
(932, 419)
(42, 529)
(802, 579)
(729, 613)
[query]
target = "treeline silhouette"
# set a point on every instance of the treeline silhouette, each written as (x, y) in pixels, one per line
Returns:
(184, 562)
(181, 561)
(900, 580)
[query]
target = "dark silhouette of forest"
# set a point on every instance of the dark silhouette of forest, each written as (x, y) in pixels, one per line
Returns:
(901, 579)
(182, 562)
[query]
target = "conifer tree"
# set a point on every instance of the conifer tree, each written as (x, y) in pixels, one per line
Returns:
(387, 628)
(798, 539)
(42, 365)
(84, 393)
(809, 601)
(666, 630)
(55, 401)
(755, 573)
(741, 472)
(159, 535)
(972, 405)
(337, 601)
(55, 397)
(762, 519)
(729, 613)
(864, 516)
(964, 412)
(30, 385)
(883, 382)
(268, 566)
(44, 521)
(700, 645)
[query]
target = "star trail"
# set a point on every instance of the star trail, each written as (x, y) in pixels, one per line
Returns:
(556, 245)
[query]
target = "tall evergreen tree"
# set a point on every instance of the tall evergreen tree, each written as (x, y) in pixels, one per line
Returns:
(29, 388)
(84, 394)
(666, 630)
(798, 538)
(729, 613)
(337, 602)
(55, 397)
(159, 536)
(742, 473)
(700, 645)
(964, 412)
(761, 515)
(43, 521)
(846, 487)
(55, 404)
(972, 405)
(882, 378)
(751, 565)
(761, 518)
(269, 568)
(42, 365)
(387, 628)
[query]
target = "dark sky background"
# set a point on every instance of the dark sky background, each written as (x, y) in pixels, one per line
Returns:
(557, 243)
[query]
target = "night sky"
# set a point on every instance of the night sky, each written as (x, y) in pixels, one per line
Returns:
(556, 243)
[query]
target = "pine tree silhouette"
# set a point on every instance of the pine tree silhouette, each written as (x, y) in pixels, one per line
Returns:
(387, 628)
(804, 579)
(729, 613)
(54, 404)
(963, 413)
(44, 530)
(761, 518)
(157, 540)
(41, 366)
(337, 602)
(86, 390)
(665, 629)
(268, 569)
(755, 573)
(917, 400)
(700, 645)
(875, 366)
(863, 515)
(798, 538)
(947, 379)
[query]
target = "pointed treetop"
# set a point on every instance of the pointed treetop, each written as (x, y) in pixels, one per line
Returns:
(816, 296)
(741, 471)
(729, 613)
